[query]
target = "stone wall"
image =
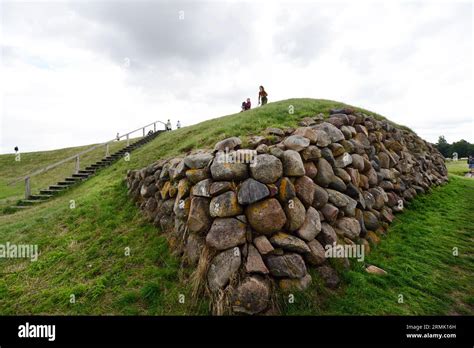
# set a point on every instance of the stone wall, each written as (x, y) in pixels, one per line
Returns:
(251, 220)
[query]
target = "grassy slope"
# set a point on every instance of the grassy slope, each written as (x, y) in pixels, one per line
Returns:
(418, 255)
(457, 167)
(82, 249)
(11, 169)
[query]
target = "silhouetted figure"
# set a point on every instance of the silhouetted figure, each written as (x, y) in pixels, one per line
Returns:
(118, 137)
(178, 125)
(262, 96)
(16, 149)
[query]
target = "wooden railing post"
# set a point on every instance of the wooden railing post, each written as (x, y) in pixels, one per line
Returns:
(107, 150)
(27, 187)
(78, 164)
(128, 140)
(154, 127)
(143, 131)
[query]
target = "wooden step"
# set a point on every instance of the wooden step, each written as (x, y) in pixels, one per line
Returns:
(78, 175)
(73, 179)
(57, 187)
(65, 183)
(24, 202)
(40, 197)
(49, 192)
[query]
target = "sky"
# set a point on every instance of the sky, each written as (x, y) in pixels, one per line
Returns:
(76, 73)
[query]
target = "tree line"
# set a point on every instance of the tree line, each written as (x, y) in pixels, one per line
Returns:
(462, 147)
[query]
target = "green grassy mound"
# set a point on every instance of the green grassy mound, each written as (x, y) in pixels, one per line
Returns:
(84, 251)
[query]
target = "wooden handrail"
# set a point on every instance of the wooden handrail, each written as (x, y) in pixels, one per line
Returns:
(75, 156)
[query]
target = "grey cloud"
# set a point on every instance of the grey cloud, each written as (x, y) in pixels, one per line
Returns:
(304, 33)
(152, 33)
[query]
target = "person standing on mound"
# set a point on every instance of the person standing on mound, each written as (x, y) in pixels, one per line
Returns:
(262, 96)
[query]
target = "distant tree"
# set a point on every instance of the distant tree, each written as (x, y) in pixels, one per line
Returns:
(462, 147)
(443, 146)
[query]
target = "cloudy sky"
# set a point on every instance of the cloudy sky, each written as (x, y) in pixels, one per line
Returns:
(75, 73)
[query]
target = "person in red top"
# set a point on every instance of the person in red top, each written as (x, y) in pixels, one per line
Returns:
(246, 105)
(262, 96)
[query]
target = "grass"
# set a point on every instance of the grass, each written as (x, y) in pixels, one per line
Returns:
(82, 250)
(11, 168)
(418, 254)
(457, 167)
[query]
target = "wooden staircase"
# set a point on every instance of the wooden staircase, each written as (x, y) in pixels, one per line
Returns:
(82, 175)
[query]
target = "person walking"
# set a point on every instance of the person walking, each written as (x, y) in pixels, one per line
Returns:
(470, 162)
(178, 125)
(168, 125)
(262, 96)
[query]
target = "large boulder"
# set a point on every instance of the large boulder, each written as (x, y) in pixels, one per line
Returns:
(289, 242)
(296, 142)
(371, 221)
(311, 225)
(305, 187)
(292, 163)
(193, 248)
(225, 205)
(220, 187)
(228, 144)
(327, 236)
(350, 227)
(201, 189)
(263, 245)
(254, 263)
(267, 216)
(198, 160)
(199, 219)
(308, 133)
(266, 169)
(228, 171)
(325, 173)
(323, 138)
(343, 160)
(320, 197)
(252, 296)
(334, 133)
(316, 255)
(286, 190)
(222, 268)
(295, 214)
(226, 233)
(287, 265)
(252, 191)
(196, 175)
(311, 153)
